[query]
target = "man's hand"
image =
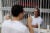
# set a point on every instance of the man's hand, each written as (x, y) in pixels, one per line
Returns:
(29, 22)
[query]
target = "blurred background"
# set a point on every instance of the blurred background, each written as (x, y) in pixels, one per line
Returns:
(29, 5)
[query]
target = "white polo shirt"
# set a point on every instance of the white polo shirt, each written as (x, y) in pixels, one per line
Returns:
(36, 20)
(14, 27)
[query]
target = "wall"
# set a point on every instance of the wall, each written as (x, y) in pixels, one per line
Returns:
(0, 12)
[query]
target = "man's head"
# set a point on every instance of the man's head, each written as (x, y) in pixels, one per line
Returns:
(17, 11)
(7, 17)
(37, 12)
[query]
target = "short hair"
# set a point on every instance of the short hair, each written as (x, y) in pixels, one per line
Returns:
(38, 10)
(16, 10)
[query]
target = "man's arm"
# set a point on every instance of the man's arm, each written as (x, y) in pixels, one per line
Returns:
(35, 26)
(30, 25)
(30, 29)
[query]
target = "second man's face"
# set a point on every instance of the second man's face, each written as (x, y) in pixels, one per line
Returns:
(36, 13)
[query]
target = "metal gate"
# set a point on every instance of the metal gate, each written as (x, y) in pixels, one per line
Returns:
(43, 5)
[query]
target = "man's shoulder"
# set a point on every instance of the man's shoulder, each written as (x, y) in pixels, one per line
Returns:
(22, 26)
(40, 18)
(5, 23)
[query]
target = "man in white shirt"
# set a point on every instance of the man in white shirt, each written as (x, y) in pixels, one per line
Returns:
(15, 25)
(36, 19)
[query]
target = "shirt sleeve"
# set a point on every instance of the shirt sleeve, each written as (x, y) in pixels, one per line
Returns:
(40, 21)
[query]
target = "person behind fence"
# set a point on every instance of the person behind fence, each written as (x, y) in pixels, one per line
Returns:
(7, 17)
(15, 25)
(36, 19)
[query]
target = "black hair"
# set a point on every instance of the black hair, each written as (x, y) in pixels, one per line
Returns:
(38, 10)
(16, 10)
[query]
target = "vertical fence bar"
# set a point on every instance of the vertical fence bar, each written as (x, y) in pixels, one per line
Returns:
(45, 14)
(38, 23)
(48, 18)
(24, 3)
(33, 3)
(9, 3)
(40, 6)
(36, 3)
(48, 13)
(30, 4)
(40, 3)
(27, 3)
(43, 11)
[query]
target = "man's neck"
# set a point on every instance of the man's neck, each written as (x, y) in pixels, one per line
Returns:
(16, 19)
(36, 16)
